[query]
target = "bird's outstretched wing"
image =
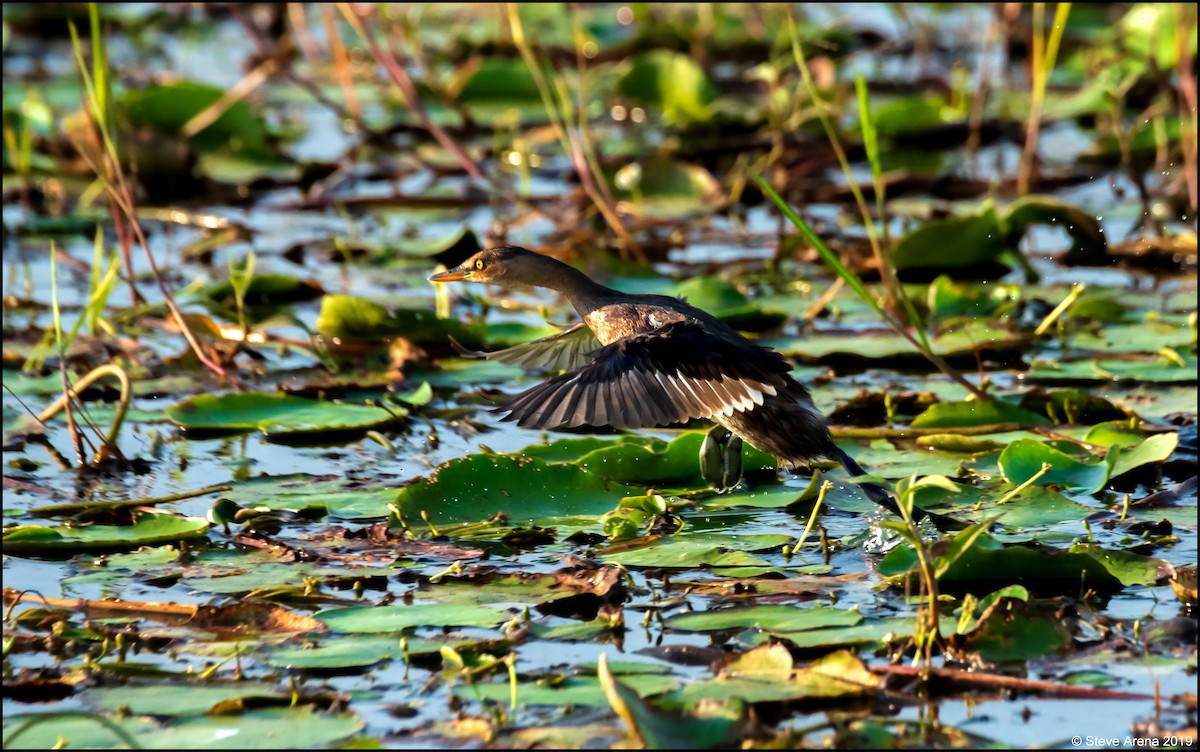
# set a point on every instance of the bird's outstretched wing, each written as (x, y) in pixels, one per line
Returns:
(568, 349)
(670, 375)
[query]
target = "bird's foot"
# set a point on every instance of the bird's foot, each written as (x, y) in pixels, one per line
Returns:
(721, 459)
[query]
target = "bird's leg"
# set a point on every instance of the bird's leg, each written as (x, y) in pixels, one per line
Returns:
(721, 458)
(884, 499)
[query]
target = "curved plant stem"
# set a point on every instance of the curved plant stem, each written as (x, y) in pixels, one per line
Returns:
(108, 369)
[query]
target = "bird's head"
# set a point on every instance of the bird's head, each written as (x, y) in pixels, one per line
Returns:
(507, 265)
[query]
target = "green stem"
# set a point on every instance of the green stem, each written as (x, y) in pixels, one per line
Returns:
(108, 369)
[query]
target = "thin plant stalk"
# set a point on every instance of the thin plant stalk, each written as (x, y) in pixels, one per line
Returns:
(565, 134)
(887, 270)
(408, 90)
(1185, 30)
(1044, 53)
(107, 166)
(855, 284)
(341, 62)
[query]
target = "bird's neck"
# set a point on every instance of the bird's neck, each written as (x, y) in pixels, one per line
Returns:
(583, 293)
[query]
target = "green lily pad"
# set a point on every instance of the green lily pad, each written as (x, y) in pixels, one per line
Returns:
(948, 297)
(666, 189)
(147, 530)
(656, 729)
(700, 550)
(265, 290)
(475, 488)
(166, 109)
(976, 413)
(1011, 631)
(575, 690)
(765, 674)
(884, 344)
(656, 462)
(723, 299)
(352, 319)
(1087, 237)
(462, 241)
(268, 728)
(772, 618)
(338, 497)
(1154, 370)
(179, 699)
(335, 654)
(277, 415)
(1023, 459)
(987, 565)
(1155, 449)
(670, 82)
(365, 619)
(952, 243)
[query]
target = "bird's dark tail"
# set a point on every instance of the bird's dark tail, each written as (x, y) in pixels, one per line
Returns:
(880, 496)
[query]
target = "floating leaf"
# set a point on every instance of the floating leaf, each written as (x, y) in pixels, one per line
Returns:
(477, 487)
(147, 530)
(1023, 459)
(665, 189)
(772, 618)
(335, 654)
(352, 319)
(672, 83)
(976, 413)
(277, 415)
(460, 243)
(1010, 630)
(361, 619)
(988, 566)
(187, 699)
(575, 690)
(167, 108)
(661, 730)
(953, 243)
(1088, 243)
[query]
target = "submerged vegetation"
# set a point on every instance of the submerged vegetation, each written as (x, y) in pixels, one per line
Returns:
(254, 497)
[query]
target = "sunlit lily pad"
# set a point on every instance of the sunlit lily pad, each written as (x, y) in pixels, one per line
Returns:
(666, 189)
(1155, 370)
(180, 699)
(338, 497)
(766, 674)
(277, 415)
(698, 550)
(475, 488)
(659, 729)
(1023, 459)
(772, 618)
(147, 530)
(975, 413)
(987, 565)
(365, 619)
(672, 83)
(575, 690)
(335, 654)
(347, 318)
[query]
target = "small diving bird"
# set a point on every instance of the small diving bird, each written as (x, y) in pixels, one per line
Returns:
(637, 361)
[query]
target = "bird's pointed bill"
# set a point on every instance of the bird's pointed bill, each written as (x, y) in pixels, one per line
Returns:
(457, 274)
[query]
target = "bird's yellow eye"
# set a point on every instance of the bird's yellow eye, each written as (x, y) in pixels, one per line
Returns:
(479, 264)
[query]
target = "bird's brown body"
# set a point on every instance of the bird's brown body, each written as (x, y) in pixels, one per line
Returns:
(637, 361)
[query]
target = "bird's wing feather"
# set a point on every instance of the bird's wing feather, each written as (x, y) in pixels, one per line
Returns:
(672, 374)
(568, 349)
